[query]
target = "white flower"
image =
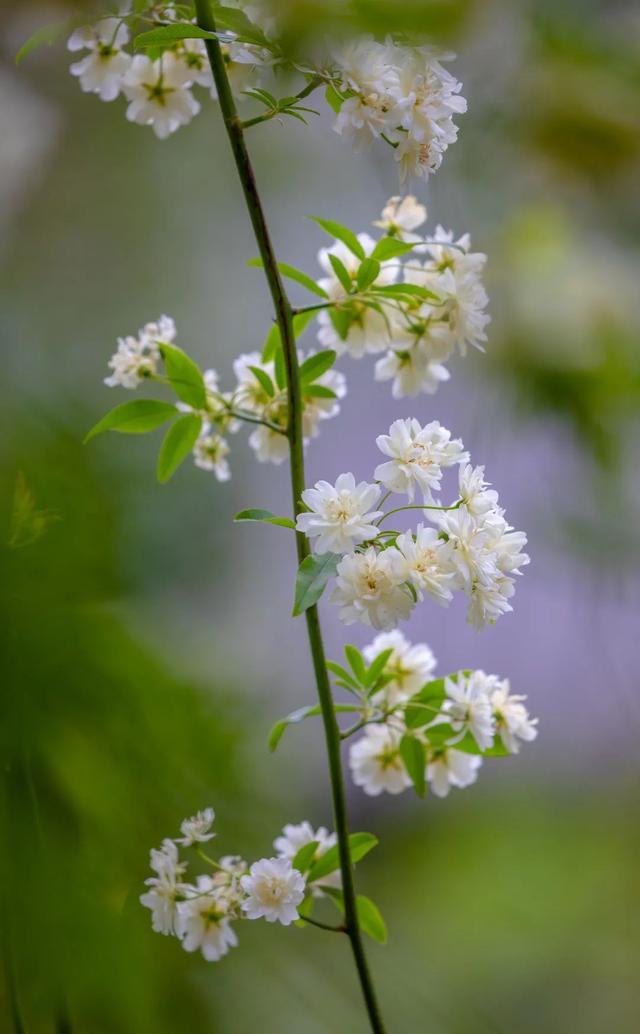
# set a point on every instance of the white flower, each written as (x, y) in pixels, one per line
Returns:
(451, 767)
(158, 94)
(103, 69)
(375, 762)
(340, 516)
(468, 706)
(202, 922)
(513, 722)
(137, 357)
(428, 563)
(410, 666)
(401, 216)
(197, 829)
(210, 453)
(412, 372)
(475, 492)
(369, 588)
(294, 837)
(274, 890)
(161, 899)
(269, 446)
(417, 455)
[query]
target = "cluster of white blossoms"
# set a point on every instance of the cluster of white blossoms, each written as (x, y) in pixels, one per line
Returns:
(418, 312)
(401, 94)
(389, 90)
(425, 731)
(158, 91)
(259, 397)
(279, 889)
(383, 573)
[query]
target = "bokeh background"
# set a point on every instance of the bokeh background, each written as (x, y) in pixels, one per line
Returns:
(146, 641)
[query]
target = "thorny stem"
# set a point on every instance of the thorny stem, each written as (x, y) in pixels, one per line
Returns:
(284, 318)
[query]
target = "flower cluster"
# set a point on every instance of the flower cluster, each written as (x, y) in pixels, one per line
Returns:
(280, 889)
(421, 730)
(387, 91)
(383, 574)
(401, 94)
(418, 312)
(159, 91)
(258, 398)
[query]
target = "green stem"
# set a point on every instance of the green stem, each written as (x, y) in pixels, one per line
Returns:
(323, 926)
(284, 318)
(399, 509)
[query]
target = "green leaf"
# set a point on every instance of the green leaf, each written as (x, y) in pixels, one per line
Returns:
(310, 711)
(375, 670)
(341, 320)
(264, 379)
(333, 98)
(312, 578)
(343, 675)
(406, 290)
(136, 417)
(303, 859)
(237, 21)
(341, 233)
(359, 845)
(356, 663)
(279, 369)
(167, 35)
(48, 35)
(316, 365)
(412, 753)
(370, 919)
(178, 443)
(318, 391)
(390, 247)
(184, 376)
(367, 273)
(425, 704)
(265, 516)
(293, 274)
(341, 272)
(301, 321)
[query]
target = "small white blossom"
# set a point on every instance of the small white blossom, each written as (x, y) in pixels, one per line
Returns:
(451, 767)
(197, 829)
(369, 588)
(477, 496)
(165, 886)
(274, 890)
(158, 94)
(210, 453)
(269, 446)
(513, 722)
(417, 456)
(202, 922)
(410, 666)
(468, 706)
(294, 837)
(138, 357)
(427, 563)
(103, 69)
(375, 762)
(401, 216)
(340, 515)
(412, 372)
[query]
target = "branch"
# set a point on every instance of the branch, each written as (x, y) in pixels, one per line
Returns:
(284, 318)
